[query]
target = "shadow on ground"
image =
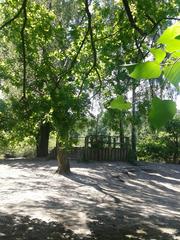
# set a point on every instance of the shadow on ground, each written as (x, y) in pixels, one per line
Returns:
(103, 201)
(23, 228)
(14, 227)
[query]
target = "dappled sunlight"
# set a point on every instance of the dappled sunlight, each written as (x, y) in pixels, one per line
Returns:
(124, 194)
(168, 185)
(168, 230)
(169, 178)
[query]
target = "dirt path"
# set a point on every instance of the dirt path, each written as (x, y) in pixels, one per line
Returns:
(105, 201)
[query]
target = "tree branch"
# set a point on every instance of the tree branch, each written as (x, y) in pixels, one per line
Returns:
(131, 19)
(82, 84)
(139, 48)
(21, 10)
(79, 50)
(160, 20)
(93, 47)
(74, 60)
(24, 47)
(153, 29)
(13, 18)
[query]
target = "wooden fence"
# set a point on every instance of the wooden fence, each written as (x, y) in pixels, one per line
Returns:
(100, 148)
(101, 154)
(106, 154)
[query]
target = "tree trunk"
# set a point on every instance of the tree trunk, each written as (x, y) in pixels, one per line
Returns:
(133, 158)
(121, 132)
(43, 140)
(63, 161)
(176, 150)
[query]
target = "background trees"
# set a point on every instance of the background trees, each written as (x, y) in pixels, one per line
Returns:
(57, 56)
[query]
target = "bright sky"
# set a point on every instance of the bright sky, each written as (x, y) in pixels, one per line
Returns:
(178, 102)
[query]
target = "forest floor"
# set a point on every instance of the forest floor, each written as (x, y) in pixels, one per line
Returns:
(103, 201)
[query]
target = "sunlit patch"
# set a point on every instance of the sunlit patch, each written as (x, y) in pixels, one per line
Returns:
(170, 231)
(176, 237)
(168, 178)
(141, 231)
(131, 236)
(2, 234)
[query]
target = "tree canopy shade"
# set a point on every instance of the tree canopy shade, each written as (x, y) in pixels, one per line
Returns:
(56, 56)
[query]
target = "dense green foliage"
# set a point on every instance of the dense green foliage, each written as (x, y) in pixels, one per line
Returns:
(163, 146)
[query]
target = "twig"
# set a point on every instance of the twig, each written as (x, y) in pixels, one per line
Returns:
(139, 48)
(82, 84)
(74, 60)
(160, 20)
(79, 50)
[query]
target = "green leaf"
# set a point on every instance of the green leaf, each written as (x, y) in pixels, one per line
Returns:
(159, 54)
(177, 37)
(172, 73)
(161, 112)
(176, 54)
(146, 70)
(130, 67)
(169, 38)
(120, 104)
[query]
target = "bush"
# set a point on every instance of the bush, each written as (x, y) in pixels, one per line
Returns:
(157, 148)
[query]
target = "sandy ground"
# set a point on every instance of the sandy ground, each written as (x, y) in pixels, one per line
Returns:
(105, 201)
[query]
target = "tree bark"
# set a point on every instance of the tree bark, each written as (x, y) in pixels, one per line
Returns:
(63, 161)
(43, 140)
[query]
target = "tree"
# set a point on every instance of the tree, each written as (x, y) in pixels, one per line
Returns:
(48, 75)
(173, 128)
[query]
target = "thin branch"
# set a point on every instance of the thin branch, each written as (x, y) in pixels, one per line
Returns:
(139, 30)
(150, 19)
(13, 18)
(153, 29)
(79, 50)
(86, 76)
(21, 10)
(91, 114)
(106, 37)
(139, 48)
(160, 20)
(74, 60)
(93, 47)
(24, 47)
